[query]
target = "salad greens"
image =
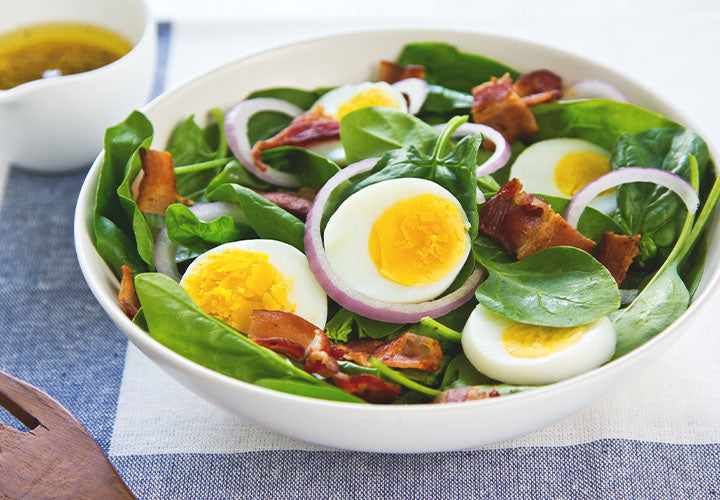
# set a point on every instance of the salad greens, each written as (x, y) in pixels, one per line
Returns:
(557, 286)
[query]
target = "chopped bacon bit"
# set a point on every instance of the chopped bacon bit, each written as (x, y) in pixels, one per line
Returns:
(538, 86)
(616, 252)
(296, 205)
(157, 188)
(309, 128)
(496, 104)
(368, 387)
(391, 72)
(411, 351)
(358, 351)
(466, 394)
(283, 346)
(306, 192)
(282, 329)
(126, 296)
(523, 223)
(318, 357)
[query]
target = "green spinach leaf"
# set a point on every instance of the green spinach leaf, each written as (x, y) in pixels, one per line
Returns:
(234, 173)
(592, 222)
(461, 373)
(313, 169)
(340, 326)
(557, 286)
(185, 229)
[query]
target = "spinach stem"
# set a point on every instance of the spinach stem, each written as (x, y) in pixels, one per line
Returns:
(197, 167)
(444, 137)
(702, 219)
(440, 329)
(402, 379)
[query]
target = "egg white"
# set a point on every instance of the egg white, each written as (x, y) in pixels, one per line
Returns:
(482, 345)
(303, 291)
(348, 231)
(535, 168)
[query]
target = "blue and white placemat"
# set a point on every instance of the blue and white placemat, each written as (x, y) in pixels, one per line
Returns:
(658, 436)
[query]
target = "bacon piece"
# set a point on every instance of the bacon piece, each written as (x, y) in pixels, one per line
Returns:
(495, 103)
(391, 72)
(296, 205)
(358, 351)
(157, 189)
(466, 394)
(309, 128)
(282, 332)
(538, 86)
(126, 295)
(523, 223)
(411, 351)
(616, 252)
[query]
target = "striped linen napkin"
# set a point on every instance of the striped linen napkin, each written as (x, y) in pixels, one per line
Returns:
(658, 436)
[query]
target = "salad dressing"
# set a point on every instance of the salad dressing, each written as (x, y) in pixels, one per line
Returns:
(49, 50)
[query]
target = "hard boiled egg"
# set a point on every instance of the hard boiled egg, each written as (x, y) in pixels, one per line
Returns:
(400, 240)
(561, 167)
(522, 354)
(232, 280)
(346, 98)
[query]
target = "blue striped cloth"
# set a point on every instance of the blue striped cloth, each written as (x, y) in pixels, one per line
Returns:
(55, 336)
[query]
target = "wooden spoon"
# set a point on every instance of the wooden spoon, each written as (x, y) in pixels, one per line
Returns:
(57, 458)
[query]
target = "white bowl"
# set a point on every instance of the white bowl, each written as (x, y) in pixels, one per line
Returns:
(58, 124)
(422, 428)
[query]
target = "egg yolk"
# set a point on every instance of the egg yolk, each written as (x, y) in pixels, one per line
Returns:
(418, 241)
(233, 283)
(531, 341)
(575, 170)
(370, 97)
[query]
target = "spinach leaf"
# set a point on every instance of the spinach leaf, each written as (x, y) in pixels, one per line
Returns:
(483, 248)
(445, 65)
(303, 99)
(114, 234)
(442, 104)
(313, 169)
(461, 373)
(400, 379)
(371, 131)
(265, 124)
(376, 329)
(653, 211)
(556, 286)
(266, 218)
(592, 222)
(234, 173)
(174, 320)
(185, 229)
(340, 326)
(600, 121)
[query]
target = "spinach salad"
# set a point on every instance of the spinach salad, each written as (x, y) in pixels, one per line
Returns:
(352, 245)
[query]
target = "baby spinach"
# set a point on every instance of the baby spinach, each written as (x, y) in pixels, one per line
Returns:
(340, 326)
(371, 131)
(592, 222)
(265, 217)
(265, 124)
(312, 169)
(375, 329)
(557, 286)
(234, 173)
(653, 211)
(447, 66)
(174, 320)
(185, 229)
(600, 121)
(442, 104)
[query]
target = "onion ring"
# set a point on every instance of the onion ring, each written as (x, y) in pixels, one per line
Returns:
(236, 129)
(502, 152)
(353, 300)
(416, 90)
(582, 198)
(165, 248)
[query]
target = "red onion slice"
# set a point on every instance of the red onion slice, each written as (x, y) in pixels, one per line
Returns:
(353, 300)
(593, 89)
(675, 183)
(236, 129)
(165, 248)
(502, 152)
(416, 91)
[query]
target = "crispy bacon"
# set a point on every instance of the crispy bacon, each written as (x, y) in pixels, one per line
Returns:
(495, 103)
(391, 72)
(411, 351)
(281, 332)
(157, 189)
(126, 295)
(296, 205)
(538, 86)
(358, 351)
(309, 128)
(523, 223)
(466, 394)
(616, 252)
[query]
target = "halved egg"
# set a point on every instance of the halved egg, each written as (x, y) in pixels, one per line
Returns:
(400, 240)
(232, 280)
(561, 167)
(346, 98)
(522, 354)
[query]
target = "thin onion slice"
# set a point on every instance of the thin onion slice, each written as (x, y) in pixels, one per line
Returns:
(165, 248)
(353, 300)
(236, 129)
(674, 182)
(502, 152)
(593, 89)
(416, 91)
